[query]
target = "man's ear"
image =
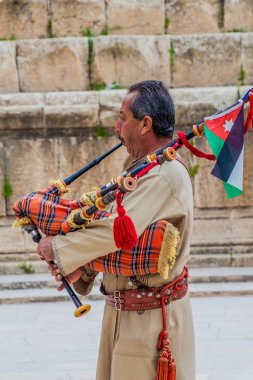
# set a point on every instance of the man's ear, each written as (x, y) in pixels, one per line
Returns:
(146, 125)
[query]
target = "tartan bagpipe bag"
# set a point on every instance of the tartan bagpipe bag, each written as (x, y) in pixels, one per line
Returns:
(155, 251)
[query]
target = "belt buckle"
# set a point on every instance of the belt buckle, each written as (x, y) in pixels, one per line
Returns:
(117, 300)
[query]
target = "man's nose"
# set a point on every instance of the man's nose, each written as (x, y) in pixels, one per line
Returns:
(117, 127)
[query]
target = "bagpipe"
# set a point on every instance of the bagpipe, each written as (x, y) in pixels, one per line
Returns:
(47, 211)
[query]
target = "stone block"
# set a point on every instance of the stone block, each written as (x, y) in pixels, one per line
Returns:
(135, 17)
(71, 110)
(53, 64)
(129, 59)
(71, 18)
(188, 101)
(2, 199)
(205, 60)
(15, 240)
(209, 190)
(189, 16)
(21, 111)
(75, 153)
(247, 57)
(30, 163)
(238, 15)
(8, 68)
(109, 106)
(23, 19)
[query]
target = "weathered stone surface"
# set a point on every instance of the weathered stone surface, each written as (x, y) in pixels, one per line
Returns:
(135, 16)
(194, 65)
(247, 56)
(71, 110)
(23, 19)
(238, 14)
(30, 163)
(2, 199)
(8, 68)
(193, 104)
(21, 111)
(209, 191)
(14, 240)
(53, 64)
(189, 16)
(75, 153)
(109, 105)
(70, 18)
(129, 59)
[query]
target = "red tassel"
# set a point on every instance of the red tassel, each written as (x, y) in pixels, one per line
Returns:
(162, 369)
(165, 370)
(172, 371)
(125, 235)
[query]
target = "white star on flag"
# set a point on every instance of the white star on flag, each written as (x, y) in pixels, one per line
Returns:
(228, 125)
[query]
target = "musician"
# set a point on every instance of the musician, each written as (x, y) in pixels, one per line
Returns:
(128, 346)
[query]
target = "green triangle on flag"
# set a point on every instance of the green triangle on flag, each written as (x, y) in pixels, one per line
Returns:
(231, 191)
(215, 142)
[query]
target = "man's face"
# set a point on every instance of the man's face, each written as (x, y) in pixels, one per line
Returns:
(128, 128)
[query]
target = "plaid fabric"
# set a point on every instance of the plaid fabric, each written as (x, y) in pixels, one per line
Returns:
(46, 209)
(141, 260)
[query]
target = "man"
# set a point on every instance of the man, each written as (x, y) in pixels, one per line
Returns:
(128, 347)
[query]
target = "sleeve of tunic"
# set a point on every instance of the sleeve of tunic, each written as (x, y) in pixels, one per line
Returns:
(156, 197)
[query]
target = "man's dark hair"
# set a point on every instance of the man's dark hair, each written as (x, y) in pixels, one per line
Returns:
(153, 99)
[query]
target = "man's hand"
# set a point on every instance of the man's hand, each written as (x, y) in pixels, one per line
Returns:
(45, 249)
(71, 278)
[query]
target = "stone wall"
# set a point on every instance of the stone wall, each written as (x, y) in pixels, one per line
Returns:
(53, 135)
(78, 64)
(24, 19)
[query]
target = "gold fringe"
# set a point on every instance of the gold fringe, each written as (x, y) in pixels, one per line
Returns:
(63, 189)
(72, 224)
(19, 222)
(168, 253)
(89, 198)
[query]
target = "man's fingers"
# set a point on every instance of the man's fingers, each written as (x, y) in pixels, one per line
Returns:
(52, 266)
(60, 288)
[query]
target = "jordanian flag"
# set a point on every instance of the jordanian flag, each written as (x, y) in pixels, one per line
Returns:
(224, 132)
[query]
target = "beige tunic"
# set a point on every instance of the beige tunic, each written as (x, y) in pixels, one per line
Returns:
(129, 340)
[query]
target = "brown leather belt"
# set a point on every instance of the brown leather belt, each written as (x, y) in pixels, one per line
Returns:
(149, 298)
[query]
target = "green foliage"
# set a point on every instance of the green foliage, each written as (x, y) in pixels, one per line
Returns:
(50, 29)
(172, 54)
(242, 76)
(114, 86)
(237, 30)
(221, 16)
(7, 189)
(103, 86)
(101, 131)
(90, 51)
(87, 32)
(105, 30)
(166, 23)
(193, 170)
(98, 86)
(11, 38)
(27, 268)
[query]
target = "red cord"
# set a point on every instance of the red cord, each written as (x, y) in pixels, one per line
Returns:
(194, 150)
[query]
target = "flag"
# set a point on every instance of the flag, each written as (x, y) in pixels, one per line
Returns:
(225, 134)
